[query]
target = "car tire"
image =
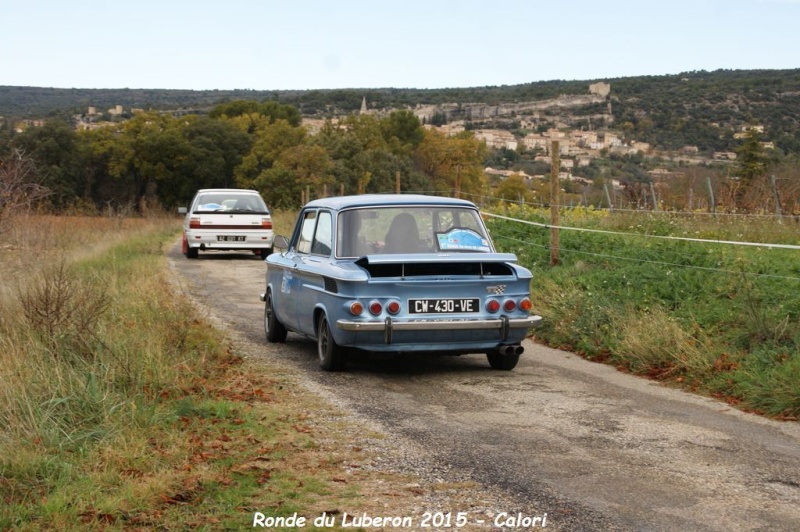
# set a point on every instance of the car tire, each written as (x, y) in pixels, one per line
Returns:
(186, 250)
(331, 356)
(191, 253)
(502, 362)
(275, 331)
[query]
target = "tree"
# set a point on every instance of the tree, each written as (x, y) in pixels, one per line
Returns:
(297, 167)
(438, 119)
(352, 142)
(94, 145)
(402, 131)
(54, 148)
(148, 150)
(253, 110)
(751, 162)
(216, 148)
(452, 162)
(513, 188)
(19, 185)
(271, 140)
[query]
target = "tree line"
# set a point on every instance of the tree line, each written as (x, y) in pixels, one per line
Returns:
(161, 159)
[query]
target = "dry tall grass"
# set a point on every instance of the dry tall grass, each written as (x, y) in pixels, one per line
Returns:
(52, 318)
(123, 408)
(656, 343)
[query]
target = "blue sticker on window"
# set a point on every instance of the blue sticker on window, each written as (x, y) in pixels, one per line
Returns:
(462, 240)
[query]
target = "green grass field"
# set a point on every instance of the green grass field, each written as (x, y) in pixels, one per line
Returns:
(721, 319)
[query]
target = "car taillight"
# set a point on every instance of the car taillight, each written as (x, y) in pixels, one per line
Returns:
(509, 305)
(356, 308)
(393, 307)
(525, 304)
(375, 308)
(194, 222)
(492, 305)
(266, 223)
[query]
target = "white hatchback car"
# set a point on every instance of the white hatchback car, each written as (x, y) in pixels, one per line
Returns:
(227, 219)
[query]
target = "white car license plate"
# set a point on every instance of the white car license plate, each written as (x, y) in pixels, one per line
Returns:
(229, 238)
(442, 306)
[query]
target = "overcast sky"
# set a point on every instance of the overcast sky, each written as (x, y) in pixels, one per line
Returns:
(315, 44)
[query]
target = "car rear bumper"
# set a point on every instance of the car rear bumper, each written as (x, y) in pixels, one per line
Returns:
(204, 240)
(389, 326)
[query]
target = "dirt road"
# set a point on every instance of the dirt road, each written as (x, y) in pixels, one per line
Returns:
(592, 447)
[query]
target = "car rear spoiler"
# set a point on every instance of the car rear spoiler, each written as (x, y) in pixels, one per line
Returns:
(443, 257)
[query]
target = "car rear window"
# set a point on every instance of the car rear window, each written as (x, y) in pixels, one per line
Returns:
(412, 229)
(230, 204)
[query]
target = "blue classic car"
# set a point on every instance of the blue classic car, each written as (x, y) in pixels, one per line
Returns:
(397, 273)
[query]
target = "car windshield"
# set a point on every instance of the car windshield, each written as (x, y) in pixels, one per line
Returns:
(220, 202)
(410, 229)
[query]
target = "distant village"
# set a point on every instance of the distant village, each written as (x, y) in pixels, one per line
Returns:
(577, 147)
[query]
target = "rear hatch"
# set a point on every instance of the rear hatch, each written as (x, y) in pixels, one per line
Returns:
(230, 221)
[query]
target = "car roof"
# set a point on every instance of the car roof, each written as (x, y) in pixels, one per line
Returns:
(227, 190)
(386, 200)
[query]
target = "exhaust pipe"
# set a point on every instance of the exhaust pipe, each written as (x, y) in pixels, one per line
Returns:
(511, 349)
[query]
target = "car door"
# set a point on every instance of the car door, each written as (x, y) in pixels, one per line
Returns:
(313, 256)
(290, 286)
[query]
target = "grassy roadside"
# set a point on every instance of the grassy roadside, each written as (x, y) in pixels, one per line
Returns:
(717, 319)
(123, 408)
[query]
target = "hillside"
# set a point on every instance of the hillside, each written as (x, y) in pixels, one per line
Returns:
(700, 108)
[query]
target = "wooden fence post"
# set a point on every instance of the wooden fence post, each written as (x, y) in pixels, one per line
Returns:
(713, 203)
(554, 190)
(653, 194)
(777, 197)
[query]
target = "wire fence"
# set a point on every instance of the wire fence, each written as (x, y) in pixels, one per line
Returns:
(664, 237)
(792, 260)
(657, 262)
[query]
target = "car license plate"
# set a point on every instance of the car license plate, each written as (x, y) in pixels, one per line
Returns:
(442, 306)
(228, 238)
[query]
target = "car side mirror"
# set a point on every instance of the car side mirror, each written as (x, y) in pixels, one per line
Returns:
(182, 210)
(280, 242)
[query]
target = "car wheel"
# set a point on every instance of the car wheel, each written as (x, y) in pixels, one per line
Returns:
(184, 245)
(331, 355)
(191, 253)
(503, 362)
(275, 331)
